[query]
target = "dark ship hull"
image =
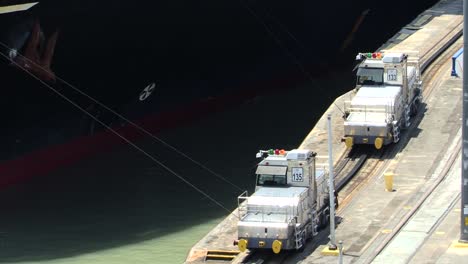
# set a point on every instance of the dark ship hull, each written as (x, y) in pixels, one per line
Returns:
(202, 57)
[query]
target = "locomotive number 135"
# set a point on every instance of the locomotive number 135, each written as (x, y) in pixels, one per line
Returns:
(297, 175)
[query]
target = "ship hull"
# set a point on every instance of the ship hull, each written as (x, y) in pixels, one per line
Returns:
(201, 58)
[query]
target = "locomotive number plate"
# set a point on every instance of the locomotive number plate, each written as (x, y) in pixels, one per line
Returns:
(297, 175)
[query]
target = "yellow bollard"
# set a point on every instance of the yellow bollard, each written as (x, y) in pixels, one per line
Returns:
(388, 176)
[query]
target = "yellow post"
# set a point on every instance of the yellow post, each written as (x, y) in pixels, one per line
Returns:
(388, 176)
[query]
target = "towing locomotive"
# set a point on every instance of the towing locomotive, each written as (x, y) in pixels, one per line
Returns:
(388, 93)
(290, 203)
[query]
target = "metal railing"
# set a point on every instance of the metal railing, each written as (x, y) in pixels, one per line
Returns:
(271, 213)
(388, 109)
(242, 204)
(265, 213)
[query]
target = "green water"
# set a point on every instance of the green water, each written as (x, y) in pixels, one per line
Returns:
(170, 248)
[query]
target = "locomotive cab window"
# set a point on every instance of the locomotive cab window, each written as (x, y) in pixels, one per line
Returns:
(370, 76)
(271, 175)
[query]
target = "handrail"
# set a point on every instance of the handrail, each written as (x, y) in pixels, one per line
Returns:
(241, 204)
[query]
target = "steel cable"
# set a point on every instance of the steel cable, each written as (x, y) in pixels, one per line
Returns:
(130, 122)
(120, 136)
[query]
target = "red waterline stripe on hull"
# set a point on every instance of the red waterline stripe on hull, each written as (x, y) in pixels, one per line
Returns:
(47, 160)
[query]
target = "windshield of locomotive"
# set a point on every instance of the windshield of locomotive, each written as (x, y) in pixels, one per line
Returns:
(370, 76)
(271, 180)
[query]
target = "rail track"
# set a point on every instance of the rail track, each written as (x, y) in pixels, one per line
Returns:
(356, 167)
(376, 165)
(432, 77)
(373, 162)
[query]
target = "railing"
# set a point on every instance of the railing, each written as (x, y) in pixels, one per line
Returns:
(379, 109)
(387, 109)
(372, 108)
(271, 213)
(264, 213)
(242, 204)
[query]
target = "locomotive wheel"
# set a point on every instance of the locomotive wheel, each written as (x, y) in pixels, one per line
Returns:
(324, 218)
(415, 107)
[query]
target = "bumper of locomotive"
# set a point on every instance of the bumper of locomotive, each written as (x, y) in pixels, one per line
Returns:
(258, 235)
(377, 134)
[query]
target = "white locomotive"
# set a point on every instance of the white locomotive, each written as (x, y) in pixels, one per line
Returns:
(289, 205)
(389, 91)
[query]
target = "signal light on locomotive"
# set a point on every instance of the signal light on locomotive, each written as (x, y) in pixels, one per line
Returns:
(375, 55)
(272, 152)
